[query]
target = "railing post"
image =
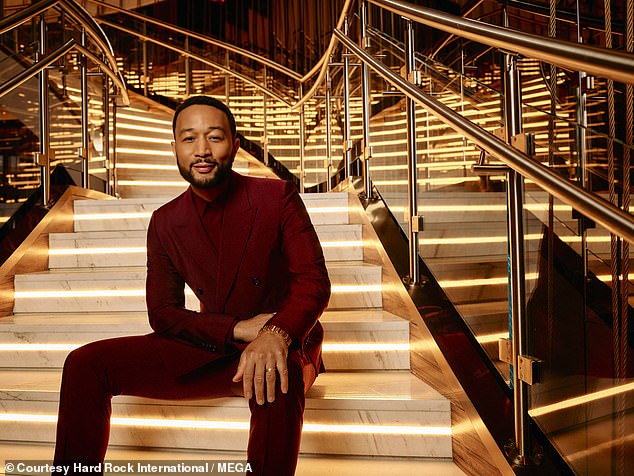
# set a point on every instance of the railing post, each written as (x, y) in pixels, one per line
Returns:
(302, 142)
(227, 79)
(106, 132)
(265, 137)
(365, 91)
(347, 139)
(145, 68)
(44, 158)
(188, 70)
(515, 206)
(84, 151)
(328, 163)
(115, 173)
(415, 221)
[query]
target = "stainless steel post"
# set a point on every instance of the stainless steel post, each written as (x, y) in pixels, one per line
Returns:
(265, 138)
(515, 206)
(115, 172)
(188, 71)
(302, 142)
(227, 80)
(328, 132)
(144, 66)
(365, 91)
(85, 138)
(44, 161)
(347, 138)
(106, 132)
(412, 173)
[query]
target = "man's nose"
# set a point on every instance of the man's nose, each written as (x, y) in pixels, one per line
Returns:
(202, 148)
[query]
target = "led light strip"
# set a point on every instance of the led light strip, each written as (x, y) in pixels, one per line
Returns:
(411, 430)
(91, 293)
(365, 347)
(576, 401)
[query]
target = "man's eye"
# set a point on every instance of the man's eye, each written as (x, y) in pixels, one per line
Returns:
(215, 138)
(188, 139)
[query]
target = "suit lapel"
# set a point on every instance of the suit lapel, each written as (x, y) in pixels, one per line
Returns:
(238, 220)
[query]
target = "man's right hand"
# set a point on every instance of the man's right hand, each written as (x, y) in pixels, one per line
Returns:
(247, 330)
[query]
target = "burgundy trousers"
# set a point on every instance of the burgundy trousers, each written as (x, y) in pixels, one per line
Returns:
(133, 366)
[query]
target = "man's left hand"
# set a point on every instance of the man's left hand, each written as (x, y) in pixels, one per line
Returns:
(259, 365)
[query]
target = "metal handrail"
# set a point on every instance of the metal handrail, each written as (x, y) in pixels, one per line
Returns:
(24, 15)
(35, 69)
(94, 31)
(204, 38)
(596, 61)
(601, 211)
(202, 59)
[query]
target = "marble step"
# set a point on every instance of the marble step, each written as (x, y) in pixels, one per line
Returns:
(308, 465)
(354, 340)
(134, 213)
(94, 249)
(354, 285)
(371, 413)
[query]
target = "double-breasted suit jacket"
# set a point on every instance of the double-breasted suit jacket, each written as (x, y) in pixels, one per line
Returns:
(269, 260)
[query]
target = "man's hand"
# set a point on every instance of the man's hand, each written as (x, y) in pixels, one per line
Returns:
(259, 365)
(247, 330)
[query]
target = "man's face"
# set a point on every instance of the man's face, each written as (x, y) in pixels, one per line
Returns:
(203, 145)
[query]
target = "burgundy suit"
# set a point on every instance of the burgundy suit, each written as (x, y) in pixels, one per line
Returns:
(268, 260)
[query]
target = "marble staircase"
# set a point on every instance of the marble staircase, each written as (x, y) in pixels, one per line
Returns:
(366, 408)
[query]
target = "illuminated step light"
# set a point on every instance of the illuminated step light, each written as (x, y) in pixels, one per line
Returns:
(92, 293)
(143, 249)
(152, 183)
(95, 251)
(363, 347)
(111, 216)
(581, 400)
(137, 152)
(370, 429)
(135, 166)
(465, 283)
(491, 338)
(141, 118)
(145, 140)
(138, 127)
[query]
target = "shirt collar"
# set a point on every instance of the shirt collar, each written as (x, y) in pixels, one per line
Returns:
(216, 194)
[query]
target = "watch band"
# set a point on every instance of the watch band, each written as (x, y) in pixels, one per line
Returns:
(273, 329)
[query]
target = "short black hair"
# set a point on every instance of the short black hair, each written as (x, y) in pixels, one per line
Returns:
(205, 101)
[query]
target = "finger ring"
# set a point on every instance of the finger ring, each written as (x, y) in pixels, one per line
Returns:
(270, 369)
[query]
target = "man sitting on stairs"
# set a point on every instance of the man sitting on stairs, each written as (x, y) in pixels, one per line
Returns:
(248, 250)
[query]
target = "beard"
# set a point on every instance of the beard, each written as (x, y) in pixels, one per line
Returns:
(221, 173)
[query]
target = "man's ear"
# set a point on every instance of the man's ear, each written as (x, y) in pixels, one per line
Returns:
(236, 145)
(173, 144)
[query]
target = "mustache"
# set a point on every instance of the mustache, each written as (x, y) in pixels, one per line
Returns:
(205, 161)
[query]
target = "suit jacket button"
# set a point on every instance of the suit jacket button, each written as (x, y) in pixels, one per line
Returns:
(199, 291)
(256, 281)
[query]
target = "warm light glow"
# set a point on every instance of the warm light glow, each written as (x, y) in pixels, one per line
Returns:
(460, 283)
(490, 338)
(364, 347)
(341, 244)
(153, 183)
(38, 347)
(95, 251)
(85, 293)
(355, 288)
(111, 216)
(413, 430)
(135, 166)
(152, 152)
(327, 209)
(576, 401)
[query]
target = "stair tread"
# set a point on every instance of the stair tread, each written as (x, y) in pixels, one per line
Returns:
(392, 390)
(308, 465)
(78, 322)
